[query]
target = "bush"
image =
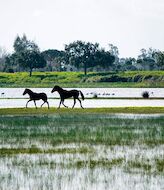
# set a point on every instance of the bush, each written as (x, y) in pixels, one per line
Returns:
(145, 94)
(137, 78)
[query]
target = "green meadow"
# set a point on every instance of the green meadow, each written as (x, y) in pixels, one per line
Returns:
(78, 79)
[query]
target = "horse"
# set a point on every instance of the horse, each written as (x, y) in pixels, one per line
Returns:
(68, 94)
(36, 96)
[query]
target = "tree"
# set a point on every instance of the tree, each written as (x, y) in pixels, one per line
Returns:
(115, 52)
(146, 60)
(22, 44)
(27, 54)
(104, 59)
(31, 60)
(54, 58)
(127, 64)
(80, 54)
(159, 56)
(3, 55)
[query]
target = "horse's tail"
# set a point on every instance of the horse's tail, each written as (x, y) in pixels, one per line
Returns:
(82, 95)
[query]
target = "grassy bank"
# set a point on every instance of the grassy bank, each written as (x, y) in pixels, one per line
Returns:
(78, 79)
(29, 111)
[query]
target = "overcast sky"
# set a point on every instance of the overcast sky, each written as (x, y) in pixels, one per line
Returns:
(128, 24)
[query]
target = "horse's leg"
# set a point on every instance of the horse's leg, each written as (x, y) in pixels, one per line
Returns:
(64, 104)
(48, 104)
(74, 102)
(43, 103)
(80, 103)
(28, 102)
(59, 104)
(35, 104)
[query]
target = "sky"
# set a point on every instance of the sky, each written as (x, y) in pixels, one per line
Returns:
(128, 24)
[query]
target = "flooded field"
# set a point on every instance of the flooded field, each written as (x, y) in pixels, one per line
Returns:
(89, 92)
(12, 97)
(82, 152)
(88, 103)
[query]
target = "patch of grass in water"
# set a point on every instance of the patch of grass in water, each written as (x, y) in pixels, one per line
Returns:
(99, 163)
(13, 151)
(145, 166)
(159, 164)
(155, 166)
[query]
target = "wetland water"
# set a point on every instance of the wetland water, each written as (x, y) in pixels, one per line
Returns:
(88, 103)
(88, 92)
(15, 93)
(82, 152)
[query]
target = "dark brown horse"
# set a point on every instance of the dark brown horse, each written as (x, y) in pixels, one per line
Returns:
(36, 96)
(68, 94)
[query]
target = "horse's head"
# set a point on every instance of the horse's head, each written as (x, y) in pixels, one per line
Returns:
(55, 88)
(25, 91)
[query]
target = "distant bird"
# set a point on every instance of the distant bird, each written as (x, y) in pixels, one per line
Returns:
(2, 94)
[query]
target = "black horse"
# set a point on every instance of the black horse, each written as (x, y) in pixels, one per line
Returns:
(36, 96)
(68, 94)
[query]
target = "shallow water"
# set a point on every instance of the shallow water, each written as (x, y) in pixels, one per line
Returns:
(13, 93)
(47, 171)
(88, 103)
(88, 92)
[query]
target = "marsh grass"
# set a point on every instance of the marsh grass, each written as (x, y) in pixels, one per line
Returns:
(82, 128)
(53, 111)
(108, 164)
(80, 149)
(35, 150)
(154, 166)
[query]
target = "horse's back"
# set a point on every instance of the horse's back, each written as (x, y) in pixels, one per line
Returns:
(74, 93)
(38, 96)
(43, 95)
(69, 93)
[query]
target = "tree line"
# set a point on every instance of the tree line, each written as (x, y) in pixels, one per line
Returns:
(77, 56)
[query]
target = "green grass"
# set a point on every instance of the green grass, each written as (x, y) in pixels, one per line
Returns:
(45, 111)
(157, 166)
(35, 150)
(80, 127)
(78, 79)
(99, 163)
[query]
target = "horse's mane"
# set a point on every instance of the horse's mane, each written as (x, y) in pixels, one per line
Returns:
(28, 90)
(58, 87)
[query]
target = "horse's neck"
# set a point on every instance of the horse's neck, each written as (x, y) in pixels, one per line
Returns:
(60, 91)
(30, 92)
